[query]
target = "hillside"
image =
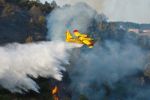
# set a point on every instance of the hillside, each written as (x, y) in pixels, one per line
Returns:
(21, 19)
(25, 21)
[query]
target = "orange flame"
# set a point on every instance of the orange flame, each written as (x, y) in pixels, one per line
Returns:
(55, 93)
(55, 90)
(55, 98)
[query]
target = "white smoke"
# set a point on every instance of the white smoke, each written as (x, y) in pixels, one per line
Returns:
(116, 10)
(19, 61)
(44, 59)
(78, 17)
(106, 62)
(109, 62)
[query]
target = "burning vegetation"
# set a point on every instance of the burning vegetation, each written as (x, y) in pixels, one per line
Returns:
(115, 68)
(55, 93)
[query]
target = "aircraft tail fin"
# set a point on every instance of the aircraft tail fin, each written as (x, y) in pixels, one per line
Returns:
(68, 35)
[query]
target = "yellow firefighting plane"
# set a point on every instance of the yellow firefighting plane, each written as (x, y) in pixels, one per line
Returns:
(79, 38)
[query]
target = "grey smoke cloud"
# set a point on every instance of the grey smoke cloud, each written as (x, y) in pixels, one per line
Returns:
(127, 10)
(104, 64)
(117, 10)
(78, 16)
(45, 59)
(108, 62)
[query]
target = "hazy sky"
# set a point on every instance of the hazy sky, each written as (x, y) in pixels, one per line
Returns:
(117, 10)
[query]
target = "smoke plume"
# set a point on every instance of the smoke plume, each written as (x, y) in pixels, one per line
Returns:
(116, 10)
(22, 62)
(107, 62)
(78, 17)
(104, 65)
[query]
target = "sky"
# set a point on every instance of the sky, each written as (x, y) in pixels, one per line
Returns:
(117, 10)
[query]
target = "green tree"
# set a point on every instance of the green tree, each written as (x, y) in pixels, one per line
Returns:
(42, 20)
(8, 9)
(83, 97)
